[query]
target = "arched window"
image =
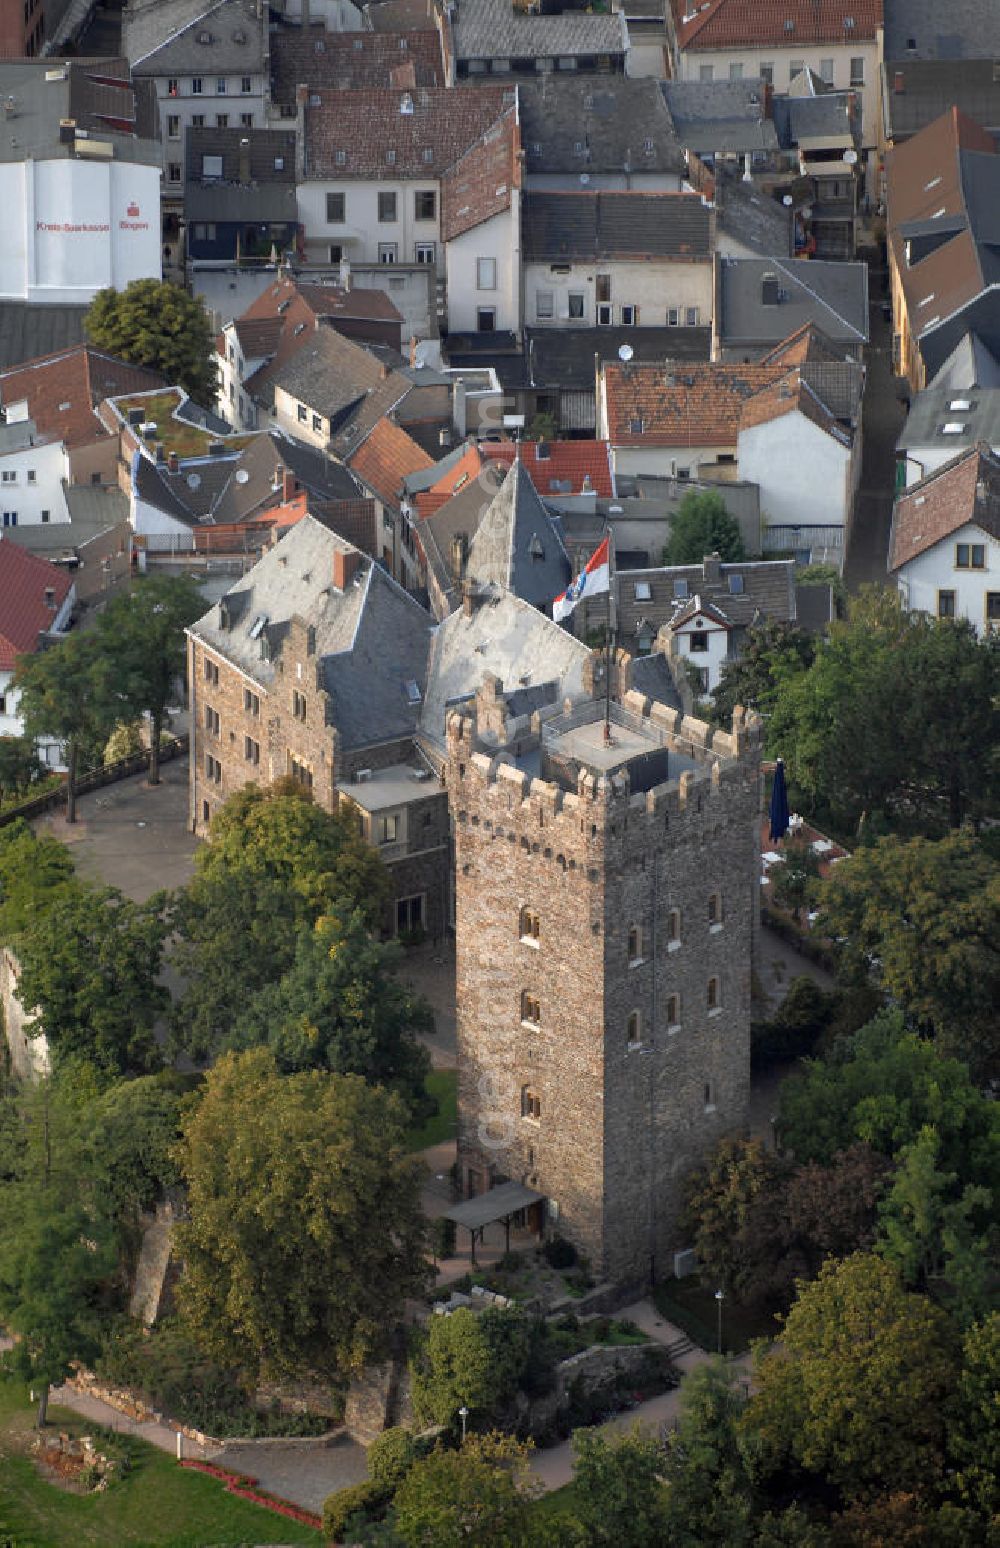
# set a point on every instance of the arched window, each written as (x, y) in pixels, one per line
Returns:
(529, 926)
(673, 1011)
(635, 1029)
(673, 928)
(531, 1008)
(715, 908)
(713, 994)
(635, 944)
(531, 1105)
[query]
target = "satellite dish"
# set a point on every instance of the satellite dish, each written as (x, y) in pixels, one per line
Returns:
(851, 156)
(584, 178)
(193, 480)
(242, 476)
(625, 353)
(787, 201)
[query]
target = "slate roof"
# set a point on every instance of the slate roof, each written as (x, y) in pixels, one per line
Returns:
(965, 489)
(971, 364)
(972, 414)
(832, 295)
(753, 218)
(830, 116)
(917, 91)
(371, 639)
(351, 61)
(379, 136)
(517, 545)
(720, 116)
(619, 122)
(479, 184)
(191, 494)
(24, 614)
(268, 194)
(764, 23)
(962, 29)
(459, 516)
(63, 389)
(943, 198)
(359, 421)
(263, 461)
(147, 23)
(584, 227)
(694, 405)
(508, 638)
(171, 44)
(329, 373)
(385, 458)
(283, 319)
(768, 591)
(490, 29)
(28, 331)
(98, 94)
(652, 676)
(564, 357)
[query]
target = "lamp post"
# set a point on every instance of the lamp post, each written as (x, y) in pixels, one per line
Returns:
(720, 1296)
(463, 1414)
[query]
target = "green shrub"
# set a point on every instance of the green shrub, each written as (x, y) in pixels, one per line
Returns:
(559, 1253)
(443, 1232)
(368, 1499)
(391, 1455)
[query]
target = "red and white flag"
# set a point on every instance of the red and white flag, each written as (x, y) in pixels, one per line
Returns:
(594, 578)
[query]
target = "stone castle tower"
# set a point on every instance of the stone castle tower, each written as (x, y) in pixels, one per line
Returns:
(606, 910)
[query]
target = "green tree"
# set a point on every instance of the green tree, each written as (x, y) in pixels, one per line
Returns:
(20, 766)
(858, 1390)
(719, 1202)
(881, 1086)
(935, 1232)
(471, 1361)
(60, 700)
(34, 870)
(793, 883)
(89, 969)
(702, 525)
(480, 1494)
(156, 324)
(275, 864)
(305, 1233)
(772, 654)
(141, 646)
(56, 1258)
(927, 912)
(131, 1131)
(974, 1440)
(340, 1007)
(618, 1488)
(709, 1488)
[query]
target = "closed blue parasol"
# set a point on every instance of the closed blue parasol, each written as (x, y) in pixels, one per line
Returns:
(779, 804)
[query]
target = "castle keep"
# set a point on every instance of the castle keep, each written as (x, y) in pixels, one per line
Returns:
(606, 908)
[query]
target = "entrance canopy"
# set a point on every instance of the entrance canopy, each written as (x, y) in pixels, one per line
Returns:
(496, 1204)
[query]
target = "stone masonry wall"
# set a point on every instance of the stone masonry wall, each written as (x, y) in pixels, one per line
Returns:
(618, 1125)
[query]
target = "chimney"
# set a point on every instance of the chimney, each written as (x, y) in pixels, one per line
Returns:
(384, 371)
(345, 565)
(413, 350)
(67, 131)
(712, 567)
(288, 485)
(173, 461)
(216, 448)
(161, 452)
(245, 159)
(345, 273)
(899, 83)
(301, 103)
(769, 289)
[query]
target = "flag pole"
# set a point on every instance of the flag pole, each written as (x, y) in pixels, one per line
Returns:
(607, 649)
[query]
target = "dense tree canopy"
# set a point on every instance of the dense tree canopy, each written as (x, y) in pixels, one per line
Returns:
(60, 700)
(33, 871)
(480, 1494)
(772, 652)
(927, 914)
(157, 324)
(140, 640)
(702, 525)
(20, 766)
(305, 1233)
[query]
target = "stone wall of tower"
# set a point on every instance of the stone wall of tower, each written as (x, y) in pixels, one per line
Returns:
(620, 1119)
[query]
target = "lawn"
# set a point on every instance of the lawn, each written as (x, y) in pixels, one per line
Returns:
(442, 1085)
(156, 1503)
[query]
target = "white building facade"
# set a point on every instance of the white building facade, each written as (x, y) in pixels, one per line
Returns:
(32, 475)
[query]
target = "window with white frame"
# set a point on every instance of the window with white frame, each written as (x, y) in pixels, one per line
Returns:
(486, 274)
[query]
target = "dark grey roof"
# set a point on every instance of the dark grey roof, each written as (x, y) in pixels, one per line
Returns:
(976, 409)
(564, 357)
(970, 364)
(265, 193)
(616, 122)
(917, 91)
(490, 29)
(263, 460)
(371, 639)
(221, 39)
(517, 545)
(753, 218)
(828, 116)
(720, 116)
(192, 493)
(961, 29)
(31, 130)
(832, 295)
(768, 589)
(607, 225)
(330, 373)
(148, 23)
(459, 517)
(652, 676)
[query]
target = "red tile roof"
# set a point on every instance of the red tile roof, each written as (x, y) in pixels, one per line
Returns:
(479, 185)
(351, 61)
(792, 393)
(764, 23)
(385, 459)
(62, 390)
(284, 318)
(398, 134)
(965, 489)
(552, 464)
(689, 404)
(807, 345)
(24, 612)
(451, 482)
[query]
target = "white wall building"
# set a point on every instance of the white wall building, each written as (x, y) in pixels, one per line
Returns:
(698, 635)
(944, 551)
(32, 473)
